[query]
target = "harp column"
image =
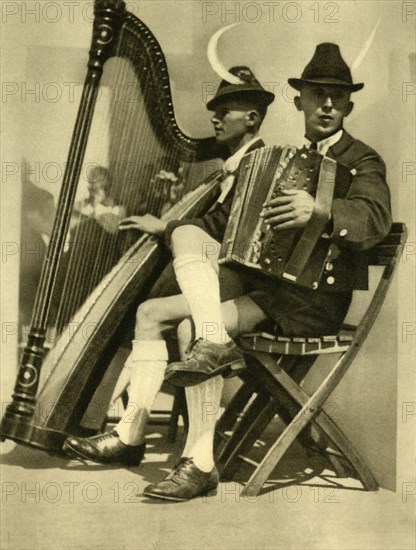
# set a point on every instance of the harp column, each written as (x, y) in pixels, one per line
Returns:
(109, 16)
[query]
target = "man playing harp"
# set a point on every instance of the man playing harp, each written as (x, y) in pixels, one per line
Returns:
(238, 111)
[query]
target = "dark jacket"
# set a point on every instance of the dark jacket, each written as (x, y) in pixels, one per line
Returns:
(215, 220)
(360, 220)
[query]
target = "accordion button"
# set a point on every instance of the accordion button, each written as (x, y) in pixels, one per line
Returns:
(267, 260)
(330, 280)
(315, 285)
(343, 233)
(329, 266)
(303, 156)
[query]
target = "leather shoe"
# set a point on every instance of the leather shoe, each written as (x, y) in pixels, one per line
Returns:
(105, 448)
(186, 481)
(205, 361)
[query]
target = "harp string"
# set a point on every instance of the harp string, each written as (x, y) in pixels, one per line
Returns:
(83, 273)
(135, 157)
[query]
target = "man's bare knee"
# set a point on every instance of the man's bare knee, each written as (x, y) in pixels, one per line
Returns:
(190, 239)
(188, 231)
(148, 316)
(183, 239)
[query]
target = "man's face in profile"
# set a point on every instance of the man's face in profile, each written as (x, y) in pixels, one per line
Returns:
(232, 119)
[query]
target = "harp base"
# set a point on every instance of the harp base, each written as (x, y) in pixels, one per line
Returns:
(30, 435)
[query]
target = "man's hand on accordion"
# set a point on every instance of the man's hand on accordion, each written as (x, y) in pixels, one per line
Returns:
(293, 208)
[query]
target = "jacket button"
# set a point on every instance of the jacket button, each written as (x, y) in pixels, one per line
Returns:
(329, 266)
(343, 233)
(330, 280)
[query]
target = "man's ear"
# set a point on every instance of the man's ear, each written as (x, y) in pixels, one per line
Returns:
(349, 108)
(298, 103)
(252, 118)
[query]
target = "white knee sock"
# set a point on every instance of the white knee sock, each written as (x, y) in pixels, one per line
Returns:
(123, 382)
(150, 359)
(199, 284)
(203, 403)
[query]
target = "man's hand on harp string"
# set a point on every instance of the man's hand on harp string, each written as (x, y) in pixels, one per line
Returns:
(293, 208)
(147, 223)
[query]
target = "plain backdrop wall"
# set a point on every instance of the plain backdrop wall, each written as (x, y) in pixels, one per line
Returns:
(44, 55)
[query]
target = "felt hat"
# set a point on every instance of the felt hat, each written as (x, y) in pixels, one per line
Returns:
(326, 67)
(249, 88)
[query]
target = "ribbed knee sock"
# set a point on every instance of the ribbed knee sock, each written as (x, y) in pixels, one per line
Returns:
(203, 403)
(199, 284)
(149, 364)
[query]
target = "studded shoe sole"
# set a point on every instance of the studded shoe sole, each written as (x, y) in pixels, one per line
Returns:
(205, 361)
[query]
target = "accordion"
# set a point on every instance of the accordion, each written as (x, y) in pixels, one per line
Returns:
(295, 255)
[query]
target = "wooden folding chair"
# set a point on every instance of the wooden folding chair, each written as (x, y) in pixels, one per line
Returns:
(271, 385)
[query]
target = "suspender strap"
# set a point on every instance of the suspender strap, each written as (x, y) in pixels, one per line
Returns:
(317, 223)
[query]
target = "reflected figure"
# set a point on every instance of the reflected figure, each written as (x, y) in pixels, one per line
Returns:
(169, 187)
(99, 205)
(92, 246)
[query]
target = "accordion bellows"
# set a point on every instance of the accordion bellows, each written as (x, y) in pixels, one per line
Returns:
(296, 255)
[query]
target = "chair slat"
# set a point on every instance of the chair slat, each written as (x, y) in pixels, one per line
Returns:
(398, 227)
(378, 260)
(394, 238)
(385, 250)
(282, 345)
(343, 338)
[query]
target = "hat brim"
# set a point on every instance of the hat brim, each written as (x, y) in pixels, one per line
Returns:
(263, 96)
(297, 83)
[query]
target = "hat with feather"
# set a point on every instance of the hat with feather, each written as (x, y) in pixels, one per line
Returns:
(238, 81)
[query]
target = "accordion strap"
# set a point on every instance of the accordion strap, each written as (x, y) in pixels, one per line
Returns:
(317, 223)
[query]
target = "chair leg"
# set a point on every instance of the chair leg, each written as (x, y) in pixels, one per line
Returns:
(178, 408)
(287, 406)
(250, 428)
(310, 409)
(232, 412)
(241, 427)
(276, 452)
(328, 426)
(341, 441)
(297, 368)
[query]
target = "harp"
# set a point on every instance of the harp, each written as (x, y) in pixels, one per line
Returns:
(54, 389)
